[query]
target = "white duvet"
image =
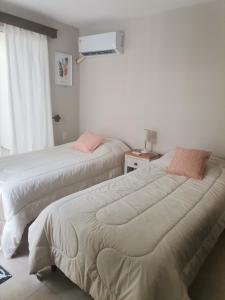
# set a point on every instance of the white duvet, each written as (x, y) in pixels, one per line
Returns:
(30, 182)
(141, 236)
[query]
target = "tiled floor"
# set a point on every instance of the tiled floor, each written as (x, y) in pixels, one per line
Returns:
(23, 286)
(209, 284)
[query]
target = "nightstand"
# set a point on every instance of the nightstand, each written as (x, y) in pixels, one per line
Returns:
(136, 159)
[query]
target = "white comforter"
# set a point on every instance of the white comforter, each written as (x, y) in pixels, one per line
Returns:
(29, 182)
(142, 236)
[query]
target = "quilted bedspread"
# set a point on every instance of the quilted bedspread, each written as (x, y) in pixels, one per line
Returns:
(29, 182)
(141, 236)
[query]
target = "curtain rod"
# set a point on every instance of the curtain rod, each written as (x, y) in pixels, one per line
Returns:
(28, 25)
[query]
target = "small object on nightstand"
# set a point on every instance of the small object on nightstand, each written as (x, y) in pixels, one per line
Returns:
(135, 159)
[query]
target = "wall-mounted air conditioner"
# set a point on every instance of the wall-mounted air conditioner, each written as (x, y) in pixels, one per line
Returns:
(104, 43)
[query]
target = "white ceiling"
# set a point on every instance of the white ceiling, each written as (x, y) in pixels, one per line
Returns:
(79, 12)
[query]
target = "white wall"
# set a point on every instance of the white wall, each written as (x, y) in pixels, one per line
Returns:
(64, 99)
(170, 79)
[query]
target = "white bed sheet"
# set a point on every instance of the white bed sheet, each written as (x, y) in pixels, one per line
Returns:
(30, 182)
(140, 236)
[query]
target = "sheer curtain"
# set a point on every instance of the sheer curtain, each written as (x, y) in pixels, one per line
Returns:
(5, 128)
(29, 103)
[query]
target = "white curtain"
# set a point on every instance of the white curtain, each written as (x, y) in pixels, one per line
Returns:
(29, 101)
(5, 126)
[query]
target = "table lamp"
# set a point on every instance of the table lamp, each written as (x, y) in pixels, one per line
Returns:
(149, 139)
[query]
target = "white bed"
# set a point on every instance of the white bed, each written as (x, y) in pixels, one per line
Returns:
(140, 236)
(30, 182)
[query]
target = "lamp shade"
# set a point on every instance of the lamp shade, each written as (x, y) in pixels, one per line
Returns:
(150, 138)
(149, 135)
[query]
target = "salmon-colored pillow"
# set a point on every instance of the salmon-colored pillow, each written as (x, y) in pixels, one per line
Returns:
(189, 162)
(88, 142)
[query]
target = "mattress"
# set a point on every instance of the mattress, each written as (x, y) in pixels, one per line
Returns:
(30, 182)
(139, 236)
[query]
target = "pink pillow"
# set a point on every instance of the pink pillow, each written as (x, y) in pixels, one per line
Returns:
(189, 163)
(88, 142)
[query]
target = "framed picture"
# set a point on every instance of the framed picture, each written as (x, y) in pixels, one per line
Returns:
(63, 69)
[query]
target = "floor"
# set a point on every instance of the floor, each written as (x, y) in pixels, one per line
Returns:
(209, 284)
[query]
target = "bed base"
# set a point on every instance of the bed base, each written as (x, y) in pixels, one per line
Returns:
(40, 275)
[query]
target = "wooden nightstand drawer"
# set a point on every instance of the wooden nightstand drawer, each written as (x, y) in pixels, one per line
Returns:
(135, 163)
(135, 160)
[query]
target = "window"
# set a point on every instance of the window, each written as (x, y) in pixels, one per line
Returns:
(25, 104)
(5, 129)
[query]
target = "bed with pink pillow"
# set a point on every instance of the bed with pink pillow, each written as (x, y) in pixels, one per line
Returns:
(30, 182)
(140, 236)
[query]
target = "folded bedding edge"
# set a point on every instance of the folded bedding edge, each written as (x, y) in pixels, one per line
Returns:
(193, 266)
(191, 269)
(2, 217)
(9, 251)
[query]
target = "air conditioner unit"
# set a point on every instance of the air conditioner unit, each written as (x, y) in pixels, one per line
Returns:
(104, 43)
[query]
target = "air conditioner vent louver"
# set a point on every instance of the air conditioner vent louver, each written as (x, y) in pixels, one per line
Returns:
(98, 52)
(99, 44)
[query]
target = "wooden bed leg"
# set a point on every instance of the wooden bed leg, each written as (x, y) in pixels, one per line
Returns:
(40, 276)
(53, 268)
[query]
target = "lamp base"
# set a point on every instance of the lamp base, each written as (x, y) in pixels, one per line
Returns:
(145, 151)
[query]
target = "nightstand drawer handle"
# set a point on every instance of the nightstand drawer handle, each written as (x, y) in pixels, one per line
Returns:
(135, 164)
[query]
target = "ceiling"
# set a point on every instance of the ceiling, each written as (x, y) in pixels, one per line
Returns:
(80, 12)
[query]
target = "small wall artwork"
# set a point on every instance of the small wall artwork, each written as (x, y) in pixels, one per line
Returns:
(63, 69)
